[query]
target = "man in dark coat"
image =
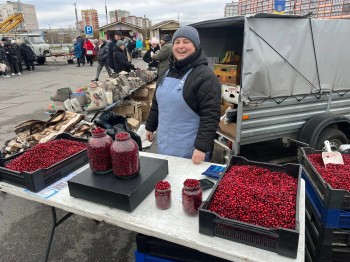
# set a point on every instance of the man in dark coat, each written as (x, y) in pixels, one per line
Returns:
(102, 58)
(12, 58)
(3, 60)
(111, 45)
(28, 56)
(120, 61)
(16, 46)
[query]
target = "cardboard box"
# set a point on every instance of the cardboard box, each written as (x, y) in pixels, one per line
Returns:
(229, 129)
(132, 109)
(145, 93)
(141, 93)
(226, 73)
(145, 108)
(133, 123)
(224, 106)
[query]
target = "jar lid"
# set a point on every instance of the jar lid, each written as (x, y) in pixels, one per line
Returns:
(122, 136)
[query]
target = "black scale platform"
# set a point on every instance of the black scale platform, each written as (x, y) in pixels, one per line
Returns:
(125, 194)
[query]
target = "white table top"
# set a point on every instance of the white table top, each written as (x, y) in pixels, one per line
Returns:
(172, 224)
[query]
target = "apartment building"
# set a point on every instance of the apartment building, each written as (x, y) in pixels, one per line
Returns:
(323, 9)
(118, 15)
(90, 18)
(29, 14)
(231, 9)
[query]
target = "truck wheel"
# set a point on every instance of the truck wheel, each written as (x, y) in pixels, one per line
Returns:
(41, 60)
(334, 136)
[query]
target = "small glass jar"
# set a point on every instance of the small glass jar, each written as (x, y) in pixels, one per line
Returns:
(125, 156)
(162, 193)
(98, 151)
(191, 196)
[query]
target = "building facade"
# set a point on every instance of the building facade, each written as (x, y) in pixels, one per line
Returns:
(323, 9)
(231, 9)
(29, 14)
(118, 15)
(90, 18)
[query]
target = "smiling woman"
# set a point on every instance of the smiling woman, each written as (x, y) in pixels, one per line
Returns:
(186, 106)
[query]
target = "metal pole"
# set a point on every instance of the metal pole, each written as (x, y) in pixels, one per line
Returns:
(106, 12)
(76, 15)
(20, 11)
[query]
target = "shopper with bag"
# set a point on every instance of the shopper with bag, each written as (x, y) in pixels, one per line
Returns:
(89, 47)
(186, 106)
(3, 61)
(78, 53)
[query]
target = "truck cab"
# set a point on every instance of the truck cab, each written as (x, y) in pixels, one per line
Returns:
(36, 42)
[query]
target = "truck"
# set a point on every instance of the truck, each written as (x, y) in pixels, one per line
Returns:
(295, 79)
(35, 41)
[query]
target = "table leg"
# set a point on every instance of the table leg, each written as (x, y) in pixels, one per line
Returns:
(55, 224)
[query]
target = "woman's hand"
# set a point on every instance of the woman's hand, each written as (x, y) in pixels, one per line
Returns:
(197, 157)
(149, 136)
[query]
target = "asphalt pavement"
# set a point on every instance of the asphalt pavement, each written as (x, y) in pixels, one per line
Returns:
(25, 225)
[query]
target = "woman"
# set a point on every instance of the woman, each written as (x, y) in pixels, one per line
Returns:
(78, 53)
(148, 56)
(120, 61)
(102, 58)
(186, 106)
(89, 47)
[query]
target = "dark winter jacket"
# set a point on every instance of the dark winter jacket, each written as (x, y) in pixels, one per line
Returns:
(120, 61)
(3, 54)
(103, 54)
(10, 54)
(18, 53)
(131, 46)
(202, 93)
(111, 45)
(148, 59)
(27, 52)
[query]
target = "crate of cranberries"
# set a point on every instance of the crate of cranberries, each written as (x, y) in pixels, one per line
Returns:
(255, 204)
(331, 183)
(45, 163)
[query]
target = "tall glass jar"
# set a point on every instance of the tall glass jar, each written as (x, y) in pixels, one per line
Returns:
(191, 196)
(98, 150)
(125, 156)
(162, 194)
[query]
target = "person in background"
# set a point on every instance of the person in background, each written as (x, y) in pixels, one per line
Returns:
(96, 47)
(127, 42)
(102, 58)
(81, 41)
(16, 46)
(148, 56)
(185, 109)
(12, 58)
(28, 56)
(139, 47)
(120, 61)
(162, 56)
(89, 47)
(132, 48)
(78, 52)
(3, 60)
(117, 36)
(147, 44)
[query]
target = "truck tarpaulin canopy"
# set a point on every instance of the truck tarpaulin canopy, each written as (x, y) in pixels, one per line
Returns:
(286, 55)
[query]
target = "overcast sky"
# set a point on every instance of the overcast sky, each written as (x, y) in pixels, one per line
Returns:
(60, 13)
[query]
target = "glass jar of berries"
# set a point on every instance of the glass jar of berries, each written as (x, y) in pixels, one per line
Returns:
(125, 156)
(191, 196)
(163, 195)
(98, 150)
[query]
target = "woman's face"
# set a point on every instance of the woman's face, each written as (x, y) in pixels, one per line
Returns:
(183, 48)
(154, 45)
(100, 42)
(122, 47)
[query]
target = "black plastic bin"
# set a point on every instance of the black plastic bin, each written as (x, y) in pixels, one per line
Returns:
(42, 178)
(282, 241)
(331, 198)
(161, 248)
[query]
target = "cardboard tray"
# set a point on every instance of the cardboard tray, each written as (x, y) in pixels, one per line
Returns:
(125, 194)
(330, 197)
(42, 178)
(280, 240)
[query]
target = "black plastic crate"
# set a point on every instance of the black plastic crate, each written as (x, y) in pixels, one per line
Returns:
(325, 253)
(332, 198)
(321, 235)
(280, 240)
(164, 249)
(42, 178)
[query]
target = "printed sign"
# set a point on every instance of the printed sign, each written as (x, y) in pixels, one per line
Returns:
(88, 30)
(279, 7)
